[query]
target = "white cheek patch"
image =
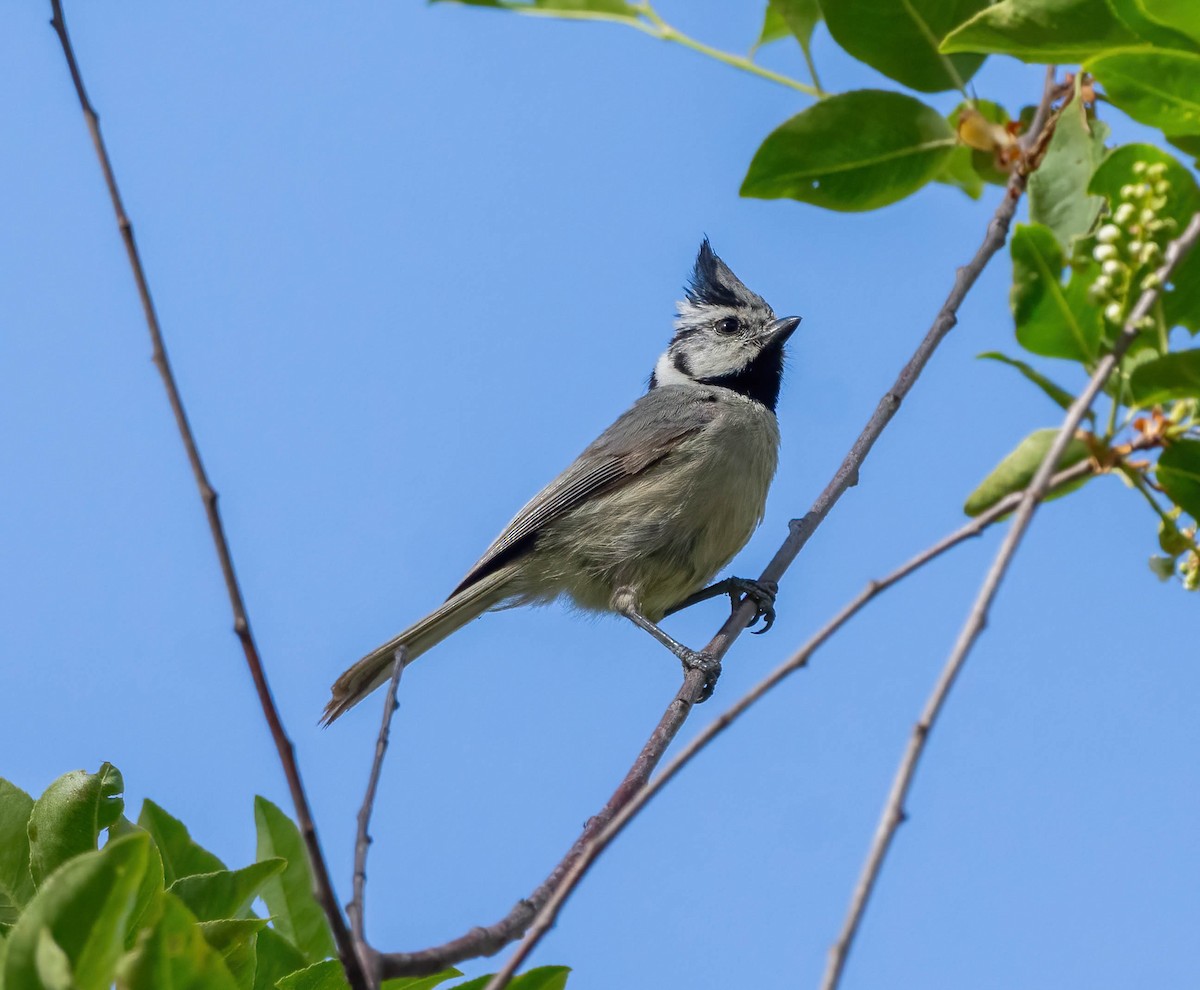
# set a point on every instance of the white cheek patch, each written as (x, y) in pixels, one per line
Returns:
(665, 372)
(709, 357)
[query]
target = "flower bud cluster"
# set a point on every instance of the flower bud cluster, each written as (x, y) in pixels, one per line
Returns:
(1129, 245)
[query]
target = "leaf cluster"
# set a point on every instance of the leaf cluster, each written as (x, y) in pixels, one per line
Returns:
(91, 900)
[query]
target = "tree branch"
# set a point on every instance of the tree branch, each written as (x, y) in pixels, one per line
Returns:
(533, 910)
(241, 624)
(893, 811)
(356, 909)
(799, 659)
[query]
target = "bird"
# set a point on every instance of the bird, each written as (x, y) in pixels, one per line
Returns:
(654, 507)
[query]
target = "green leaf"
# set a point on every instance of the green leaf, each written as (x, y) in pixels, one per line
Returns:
(597, 10)
(773, 27)
(1042, 30)
(1159, 88)
(1052, 320)
(1180, 15)
(958, 171)
(1189, 144)
(901, 39)
(1135, 16)
(1178, 472)
(854, 151)
(541, 978)
(1058, 395)
(181, 856)
(1172, 376)
(226, 893)
(16, 882)
(1058, 196)
(174, 955)
(276, 957)
(68, 818)
(1182, 303)
(289, 896)
(1014, 473)
(235, 939)
(325, 975)
(421, 982)
(148, 903)
(797, 17)
(81, 913)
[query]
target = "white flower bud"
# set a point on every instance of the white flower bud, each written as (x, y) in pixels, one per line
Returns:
(1139, 168)
(1102, 284)
(1151, 281)
(1102, 252)
(1135, 248)
(1127, 192)
(1162, 188)
(1156, 171)
(1124, 214)
(1112, 312)
(1112, 267)
(1108, 233)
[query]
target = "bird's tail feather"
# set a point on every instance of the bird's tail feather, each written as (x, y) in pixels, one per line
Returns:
(376, 667)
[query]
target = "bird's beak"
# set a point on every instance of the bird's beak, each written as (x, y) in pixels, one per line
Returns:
(780, 330)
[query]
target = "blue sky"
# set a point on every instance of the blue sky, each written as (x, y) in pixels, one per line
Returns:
(410, 260)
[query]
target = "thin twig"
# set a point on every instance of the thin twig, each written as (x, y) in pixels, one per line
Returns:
(893, 811)
(799, 659)
(486, 941)
(241, 623)
(356, 909)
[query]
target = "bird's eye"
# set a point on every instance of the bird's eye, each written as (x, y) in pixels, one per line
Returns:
(728, 325)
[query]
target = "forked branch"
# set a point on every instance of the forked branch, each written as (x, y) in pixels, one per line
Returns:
(893, 809)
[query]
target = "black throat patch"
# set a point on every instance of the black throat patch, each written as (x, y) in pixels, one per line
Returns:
(759, 380)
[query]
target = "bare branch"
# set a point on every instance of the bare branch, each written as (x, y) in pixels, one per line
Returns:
(545, 919)
(486, 941)
(893, 811)
(241, 623)
(362, 843)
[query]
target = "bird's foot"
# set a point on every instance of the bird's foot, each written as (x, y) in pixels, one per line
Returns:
(708, 665)
(761, 593)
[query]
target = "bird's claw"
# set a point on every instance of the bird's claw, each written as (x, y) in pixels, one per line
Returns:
(708, 665)
(761, 594)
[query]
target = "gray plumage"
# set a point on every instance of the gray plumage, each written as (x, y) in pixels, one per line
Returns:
(655, 506)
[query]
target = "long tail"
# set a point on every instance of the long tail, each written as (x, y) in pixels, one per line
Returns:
(376, 667)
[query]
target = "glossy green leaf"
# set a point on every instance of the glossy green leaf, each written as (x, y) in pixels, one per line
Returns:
(901, 39)
(181, 856)
(149, 896)
(1189, 144)
(1057, 394)
(1043, 30)
(325, 975)
(1052, 319)
(79, 914)
(421, 982)
(226, 893)
(603, 10)
(1159, 88)
(1014, 473)
(276, 958)
(68, 818)
(1172, 376)
(174, 955)
(289, 895)
(235, 939)
(540, 978)
(16, 882)
(855, 151)
(1182, 16)
(797, 18)
(1182, 303)
(1134, 15)
(1058, 196)
(1178, 472)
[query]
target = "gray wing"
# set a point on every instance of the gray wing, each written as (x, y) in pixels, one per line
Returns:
(649, 430)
